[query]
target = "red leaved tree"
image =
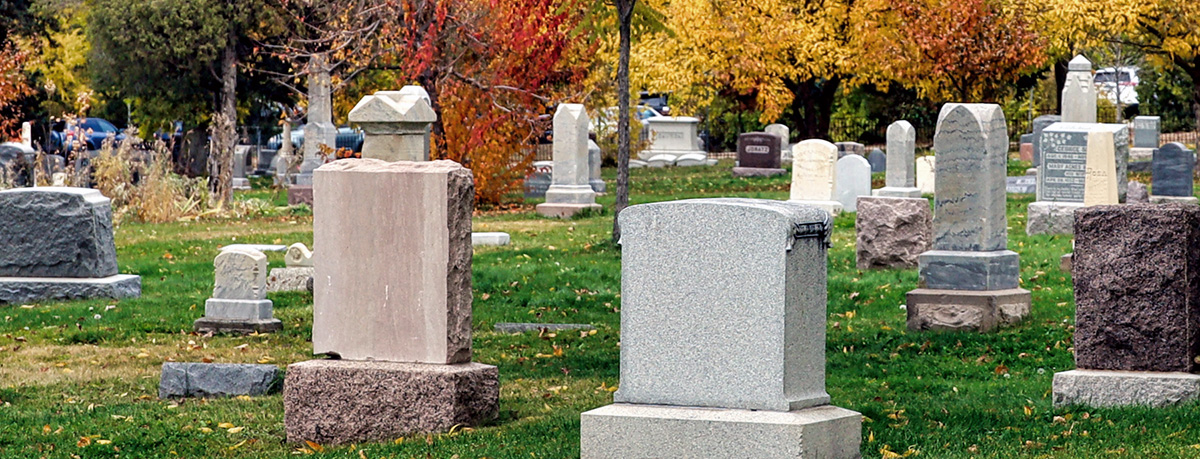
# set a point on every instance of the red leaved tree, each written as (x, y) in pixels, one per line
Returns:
(13, 86)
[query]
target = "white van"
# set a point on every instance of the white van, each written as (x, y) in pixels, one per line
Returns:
(1119, 82)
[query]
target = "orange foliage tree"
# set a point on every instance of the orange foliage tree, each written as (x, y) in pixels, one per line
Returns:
(961, 50)
(13, 86)
(492, 69)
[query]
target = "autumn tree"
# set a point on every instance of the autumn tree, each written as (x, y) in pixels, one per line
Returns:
(1166, 31)
(13, 86)
(958, 50)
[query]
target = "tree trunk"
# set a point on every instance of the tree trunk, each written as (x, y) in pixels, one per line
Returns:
(224, 127)
(1193, 70)
(437, 131)
(812, 107)
(1060, 81)
(624, 19)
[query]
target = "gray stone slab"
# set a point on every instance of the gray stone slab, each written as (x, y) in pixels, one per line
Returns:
(878, 160)
(56, 232)
(901, 152)
(893, 192)
(595, 161)
(522, 327)
(742, 172)
(27, 289)
(289, 279)
(625, 431)
(759, 150)
(891, 232)
(1146, 131)
(1170, 199)
(216, 308)
(489, 239)
(258, 247)
(971, 145)
(1051, 217)
(1173, 168)
(183, 379)
(1039, 124)
(752, 289)
(1108, 388)
(850, 148)
(236, 326)
(955, 270)
(1026, 184)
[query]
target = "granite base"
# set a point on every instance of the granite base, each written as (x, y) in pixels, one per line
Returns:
(1170, 199)
(26, 289)
(557, 210)
(741, 172)
(897, 192)
(343, 401)
(965, 310)
(1108, 388)
(236, 326)
(629, 431)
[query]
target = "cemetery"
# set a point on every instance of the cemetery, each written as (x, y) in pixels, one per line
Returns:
(476, 230)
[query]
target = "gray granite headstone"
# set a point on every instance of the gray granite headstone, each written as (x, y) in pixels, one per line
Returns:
(1026, 138)
(901, 178)
(1146, 131)
(1025, 184)
(758, 150)
(878, 160)
(1173, 167)
(1039, 124)
(680, 304)
(538, 180)
(56, 232)
(853, 180)
(971, 145)
(848, 148)
(209, 380)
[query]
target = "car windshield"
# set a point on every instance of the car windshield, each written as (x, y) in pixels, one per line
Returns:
(1108, 77)
(97, 125)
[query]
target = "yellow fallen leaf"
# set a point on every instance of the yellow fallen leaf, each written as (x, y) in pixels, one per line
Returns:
(238, 445)
(206, 430)
(103, 442)
(142, 355)
(314, 446)
(236, 429)
(225, 425)
(83, 442)
(243, 398)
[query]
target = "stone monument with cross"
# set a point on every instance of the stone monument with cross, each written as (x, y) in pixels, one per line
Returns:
(969, 281)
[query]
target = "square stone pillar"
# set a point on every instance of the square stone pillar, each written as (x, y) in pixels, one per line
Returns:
(689, 386)
(570, 188)
(901, 179)
(969, 281)
(392, 300)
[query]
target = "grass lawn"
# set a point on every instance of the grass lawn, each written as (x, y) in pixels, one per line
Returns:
(79, 379)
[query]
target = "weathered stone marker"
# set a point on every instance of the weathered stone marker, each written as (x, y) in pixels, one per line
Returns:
(689, 388)
(595, 158)
(570, 191)
(901, 181)
(1146, 137)
(211, 380)
(297, 270)
(878, 160)
(1039, 125)
(892, 232)
(1079, 92)
(57, 244)
(392, 299)
(239, 301)
(1136, 335)
(758, 155)
(814, 175)
(1174, 166)
(850, 148)
(969, 281)
(395, 124)
(784, 134)
(1067, 149)
(673, 141)
(926, 176)
(853, 180)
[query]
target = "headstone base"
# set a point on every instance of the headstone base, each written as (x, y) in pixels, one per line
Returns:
(1031, 171)
(219, 308)
(236, 326)
(647, 155)
(694, 159)
(831, 207)
(25, 289)
(555, 210)
(1170, 199)
(1141, 154)
(892, 232)
(241, 184)
(300, 194)
(570, 194)
(629, 431)
(1045, 217)
(1108, 388)
(1065, 261)
(597, 185)
(661, 161)
(965, 310)
(757, 172)
(493, 239)
(637, 164)
(979, 271)
(289, 279)
(897, 192)
(342, 401)
(302, 179)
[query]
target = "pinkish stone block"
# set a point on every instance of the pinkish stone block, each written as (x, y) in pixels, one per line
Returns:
(394, 279)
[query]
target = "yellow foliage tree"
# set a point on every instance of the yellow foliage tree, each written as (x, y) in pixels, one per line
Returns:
(1166, 30)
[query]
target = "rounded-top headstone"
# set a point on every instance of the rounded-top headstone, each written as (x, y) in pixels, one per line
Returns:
(241, 274)
(813, 174)
(56, 232)
(298, 255)
(971, 144)
(878, 160)
(1172, 170)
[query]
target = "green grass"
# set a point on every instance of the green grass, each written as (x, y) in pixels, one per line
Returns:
(72, 385)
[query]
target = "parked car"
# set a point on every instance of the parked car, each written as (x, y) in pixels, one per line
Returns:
(1118, 84)
(347, 137)
(88, 133)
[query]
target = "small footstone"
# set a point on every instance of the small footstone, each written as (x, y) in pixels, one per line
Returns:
(1106, 388)
(300, 194)
(489, 239)
(342, 401)
(519, 327)
(1064, 263)
(289, 279)
(742, 172)
(208, 380)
